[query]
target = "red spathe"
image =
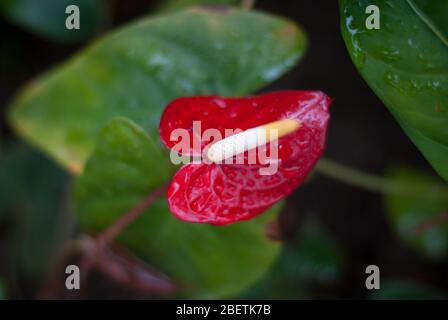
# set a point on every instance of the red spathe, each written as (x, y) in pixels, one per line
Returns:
(220, 194)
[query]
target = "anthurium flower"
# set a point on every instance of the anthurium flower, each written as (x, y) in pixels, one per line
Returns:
(223, 193)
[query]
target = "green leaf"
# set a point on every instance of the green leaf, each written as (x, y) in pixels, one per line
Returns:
(136, 71)
(312, 258)
(406, 63)
(395, 289)
(434, 14)
(2, 291)
(178, 5)
(418, 217)
(208, 261)
(47, 18)
(31, 196)
(318, 258)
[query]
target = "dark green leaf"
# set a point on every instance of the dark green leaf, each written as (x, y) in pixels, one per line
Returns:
(317, 256)
(47, 18)
(313, 257)
(207, 261)
(421, 217)
(31, 196)
(406, 290)
(434, 14)
(406, 63)
(2, 291)
(136, 71)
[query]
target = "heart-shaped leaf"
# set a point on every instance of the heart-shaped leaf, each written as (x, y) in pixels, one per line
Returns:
(136, 71)
(406, 63)
(207, 261)
(420, 217)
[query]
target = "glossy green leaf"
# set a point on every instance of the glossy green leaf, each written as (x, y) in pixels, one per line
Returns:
(420, 218)
(406, 63)
(47, 18)
(137, 70)
(406, 290)
(434, 14)
(177, 5)
(32, 198)
(208, 261)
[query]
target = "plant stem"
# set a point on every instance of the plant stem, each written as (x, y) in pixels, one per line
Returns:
(353, 177)
(375, 183)
(108, 235)
(93, 247)
(430, 223)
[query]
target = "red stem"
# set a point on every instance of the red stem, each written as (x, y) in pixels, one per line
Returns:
(90, 247)
(108, 235)
(431, 222)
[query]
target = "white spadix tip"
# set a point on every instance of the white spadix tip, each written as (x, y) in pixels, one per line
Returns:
(250, 139)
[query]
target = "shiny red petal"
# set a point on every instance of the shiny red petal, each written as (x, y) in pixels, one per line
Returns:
(226, 193)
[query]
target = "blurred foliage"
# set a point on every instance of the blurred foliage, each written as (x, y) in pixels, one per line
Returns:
(207, 261)
(313, 258)
(2, 291)
(70, 113)
(415, 216)
(406, 64)
(394, 289)
(178, 5)
(32, 197)
(46, 18)
(137, 70)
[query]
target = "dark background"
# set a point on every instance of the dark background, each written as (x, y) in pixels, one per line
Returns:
(363, 134)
